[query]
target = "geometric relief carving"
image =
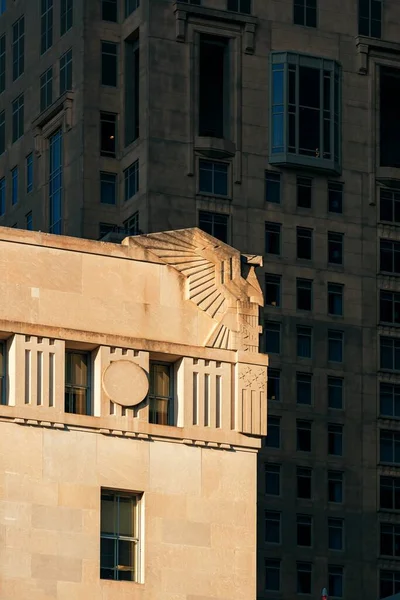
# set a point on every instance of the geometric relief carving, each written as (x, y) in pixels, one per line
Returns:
(253, 377)
(251, 399)
(125, 383)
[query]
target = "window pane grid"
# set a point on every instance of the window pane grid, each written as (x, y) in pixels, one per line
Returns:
(46, 23)
(66, 72)
(18, 47)
(56, 182)
(66, 16)
(131, 178)
(46, 89)
(18, 118)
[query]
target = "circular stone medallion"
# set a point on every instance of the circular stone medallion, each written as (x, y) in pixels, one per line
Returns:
(125, 383)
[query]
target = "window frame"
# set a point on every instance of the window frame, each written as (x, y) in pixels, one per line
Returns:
(367, 32)
(66, 16)
(272, 516)
(66, 72)
(273, 422)
(276, 230)
(112, 3)
(275, 375)
(335, 335)
(272, 565)
(214, 167)
(330, 385)
(302, 333)
(14, 185)
(335, 238)
(335, 476)
(18, 116)
(392, 486)
(303, 183)
(301, 426)
(335, 291)
(109, 64)
(301, 235)
(109, 118)
(275, 281)
(230, 6)
(304, 291)
(272, 179)
(152, 396)
(223, 224)
(3, 198)
(392, 298)
(131, 180)
(18, 48)
(3, 373)
(307, 379)
(304, 5)
(273, 469)
(70, 386)
(277, 328)
(395, 582)
(56, 183)
(130, 6)
(3, 62)
(335, 439)
(307, 522)
(46, 89)
(304, 567)
(113, 182)
(335, 188)
(305, 473)
(29, 173)
(331, 573)
(28, 221)
(392, 345)
(393, 438)
(46, 26)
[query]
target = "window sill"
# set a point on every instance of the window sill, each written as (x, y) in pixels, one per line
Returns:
(215, 147)
(285, 159)
(389, 176)
(63, 103)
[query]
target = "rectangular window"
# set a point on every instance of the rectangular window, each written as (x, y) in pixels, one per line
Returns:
(77, 383)
(214, 224)
(389, 492)
(305, 12)
(390, 353)
(108, 188)
(106, 228)
(335, 486)
(119, 536)
(303, 435)
(390, 256)
(389, 583)
(28, 221)
(18, 47)
(108, 134)
(56, 182)
(160, 394)
(304, 571)
(66, 15)
(131, 180)
(2, 196)
(335, 248)
(335, 534)
(304, 192)
(272, 238)
(335, 439)
(390, 205)
(335, 299)
(274, 381)
(66, 72)
(213, 177)
(335, 393)
(370, 18)
(18, 118)
(304, 243)
(109, 71)
(131, 88)
(2, 63)
(272, 187)
(46, 89)
(304, 294)
(303, 388)
(2, 131)
(335, 346)
(131, 225)
(304, 530)
(214, 87)
(272, 527)
(3, 6)
(389, 306)
(272, 290)
(304, 342)
(242, 6)
(389, 399)
(109, 11)
(272, 337)
(272, 575)
(46, 25)
(273, 439)
(389, 445)
(304, 482)
(2, 373)
(390, 539)
(335, 197)
(335, 581)
(131, 6)
(272, 480)
(29, 173)
(389, 116)
(14, 185)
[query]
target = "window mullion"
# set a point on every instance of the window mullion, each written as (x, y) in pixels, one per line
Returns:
(321, 112)
(297, 98)
(332, 114)
(286, 106)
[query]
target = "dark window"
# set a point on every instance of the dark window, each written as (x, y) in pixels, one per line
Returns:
(390, 256)
(304, 294)
(390, 539)
(274, 380)
(335, 581)
(131, 180)
(304, 192)
(272, 575)
(29, 173)
(335, 346)
(2, 196)
(56, 182)
(304, 243)
(105, 228)
(108, 133)
(273, 439)
(370, 18)
(389, 446)
(119, 537)
(389, 116)
(46, 24)
(390, 205)
(272, 290)
(214, 87)
(304, 571)
(131, 85)
(242, 6)
(46, 89)
(193, 2)
(108, 188)
(335, 534)
(303, 385)
(389, 398)
(304, 530)
(335, 439)
(77, 383)
(335, 486)
(66, 72)
(131, 225)
(14, 185)
(389, 583)
(2, 131)
(335, 197)
(213, 177)
(109, 71)
(214, 224)
(66, 15)
(272, 238)
(303, 433)
(272, 480)
(3, 6)
(2, 373)
(131, 6)
(304, 342)
(272, 337)
(335, 392)
(2, 63)
(305, 12)
(160, 394)
(303, 482)
(335, 299)
(335, 248)
(272, 527)
(28, 221)
(272, 187)
(390, 353)
(389, 492)
(109, 10)
(18, 47)
(389, 307)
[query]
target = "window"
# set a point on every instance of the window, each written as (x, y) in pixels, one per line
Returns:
(29, 173)
(3, 6)
(335, 439)
(272, 238)
(131, 90)
(131, 225)
(273, 439)
(14, 185)
(303, 385)
(213, 177)
(304, 243)
(390, 353)
(130, 6)
(390, 205)
(109, 64)
(272, 527)
(389, 492)
(2, 131)
(106, 228)
(214, 224)
(303, 482)
(304, 192)
(28, 221)
(77, 383)
(18, 47)
(272, 480)
(2, 374)
(335, 248)
(303, 434)
(304, 530)
(272, 187)
(335, 392)
(335, 346)
(389, 583)
(272, 290)
(120, 536)
(304, 342)
(18, 118)
(335, 299)
(2, 196)
(370, 18)
(109, 10)
(273, 388)
(66, 72)
(160, 394)
(389, 446)
(272, 575)
(305, 113)
(304, 294)
(56, 182)
(390, 539)
(108, 133)
(335, 581)
(304, 578)
(389, 307)
(66, 15)
(389, 397)
(335, 197)
(305, 12)
(214, 112)
(2, 63)
(131, 180)
(272, 337)
(389, 116)
(335, 534)
(390, 256)
(242, 6)
(46, 89)
(46, 24)
(335, 486)
(108, 188)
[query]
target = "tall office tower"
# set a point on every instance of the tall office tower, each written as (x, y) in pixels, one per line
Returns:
(275, 126)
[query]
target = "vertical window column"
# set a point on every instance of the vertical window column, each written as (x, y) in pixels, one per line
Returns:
(56, 182)
(131, 86)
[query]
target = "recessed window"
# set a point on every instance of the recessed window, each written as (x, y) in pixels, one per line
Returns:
(389, 95)
(214, 109)
(303, 436)
(3, 6)
(390, 205)
(242, 6)
(272, 290)
(335, 486)
(108, 134)
(389, 446)
(106, 228)
(131, 180)
(272, 575)
(335, 581)
(213, 177)
(18, 47)
(303, 388)
(160, 394)
(18, 118)
(390, 256)
(108, 188)
(305, 12)
(272, 480)
(120, 536)
(389, 583)
(273, 439)
(109, 10)
(272, 337)
(389, 399)
(2, 196)
(370, 18)
(131, 6)
(272, 187)
(304, 530)
(131, 90)
(2, 63)
(304, 342)
(46, 25)
(66, 15)
(109, 64)
(335, 299)
(335, 248)
(335, 439)
(335, 197)
(304, 571)
(2, 373)
(304, 192)
(46, 89)
(56, 182)
(335, 534)
(273, 388)
(304, 243)
(304, 294)
(335, 392)
(131, 225)
(77, 383)
(389, 492)
(2, 132)
(389, 305)
(66, 72)
(215, 224)
(273, 238)
(335, 346)
(28, 221)
(390, 353)
(304, 482)
(272, 527)
(390, 539)
(29, 173)
(14, 186)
